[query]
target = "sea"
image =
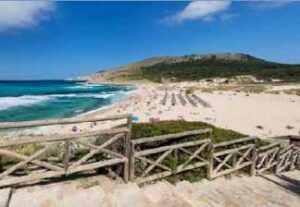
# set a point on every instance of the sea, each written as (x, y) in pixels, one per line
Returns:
(37, 100)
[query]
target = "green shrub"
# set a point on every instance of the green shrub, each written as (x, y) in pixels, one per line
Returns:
(168, 127)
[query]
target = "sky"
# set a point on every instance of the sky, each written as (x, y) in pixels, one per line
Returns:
(58, 40)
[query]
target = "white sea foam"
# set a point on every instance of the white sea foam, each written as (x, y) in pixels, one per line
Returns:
(88, 95)
(8, 102)
(83, 86)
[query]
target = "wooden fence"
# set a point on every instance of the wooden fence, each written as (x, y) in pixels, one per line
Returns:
(157, 157)
(231, 156)
(267, 157)
(62, 155)
(142, 160)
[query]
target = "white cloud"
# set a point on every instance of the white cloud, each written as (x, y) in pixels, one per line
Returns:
(202, 10)
(19, 14)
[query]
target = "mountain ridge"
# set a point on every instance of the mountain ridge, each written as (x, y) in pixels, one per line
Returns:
(196, 67)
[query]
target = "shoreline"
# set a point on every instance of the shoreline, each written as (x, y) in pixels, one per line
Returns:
(108, 107)
(263, 114)
(254, 113)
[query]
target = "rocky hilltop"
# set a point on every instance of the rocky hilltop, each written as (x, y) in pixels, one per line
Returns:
(197, 67)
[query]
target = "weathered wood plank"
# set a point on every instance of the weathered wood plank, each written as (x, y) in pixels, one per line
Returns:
(195, 154)
(55, 138)
(236, 141)
(220, 165)
(132, 162)
(96, 165)
(265, 168)
(151, 162)
(224, 152)
(165, 148)
(277, 144)
(190, 153)
(9, 125)
(36, 162)
(244, 156)
(66, 155)
(25, 162)
(23, 179)
(224, 172)
(91, 146)
(94, 152)
(171, 136)
(161, 158)
(39, 176)
(268, 152)
(191, 166)
(127, 150)
(168, 173)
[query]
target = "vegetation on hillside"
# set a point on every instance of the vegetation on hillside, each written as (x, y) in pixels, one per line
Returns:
(193, 70)
(197, 67)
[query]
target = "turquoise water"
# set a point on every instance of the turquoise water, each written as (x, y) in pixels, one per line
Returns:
(34, 100)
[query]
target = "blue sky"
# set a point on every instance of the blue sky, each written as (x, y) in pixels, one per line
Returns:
(46, 40)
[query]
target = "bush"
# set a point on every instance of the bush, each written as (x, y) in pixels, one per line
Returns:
(168, 127)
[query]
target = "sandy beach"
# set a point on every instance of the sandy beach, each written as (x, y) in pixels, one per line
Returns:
(257, 114)
(266, 114)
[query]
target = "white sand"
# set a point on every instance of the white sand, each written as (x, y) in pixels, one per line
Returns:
(244, 113)
(275, 114)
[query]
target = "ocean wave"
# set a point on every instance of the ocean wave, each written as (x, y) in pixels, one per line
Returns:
(83, 86)
(8, 102)
(27, 100)
(74, 95)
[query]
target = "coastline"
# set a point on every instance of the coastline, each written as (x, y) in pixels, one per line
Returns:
(104, 109)
(264, 114)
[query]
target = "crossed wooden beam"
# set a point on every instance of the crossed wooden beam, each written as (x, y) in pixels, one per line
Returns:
(33, 159)
(285, 159)
(157, 162)
(229, 154)
(267, 160)
(28, 159)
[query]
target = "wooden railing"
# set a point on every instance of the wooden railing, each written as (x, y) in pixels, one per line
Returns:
(62, 155)
(157, 157)
(231, 156)
(277, 159)
(267, 157)
(285, 158)
(142, 160)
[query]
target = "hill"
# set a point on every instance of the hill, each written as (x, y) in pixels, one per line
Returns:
(196, 67)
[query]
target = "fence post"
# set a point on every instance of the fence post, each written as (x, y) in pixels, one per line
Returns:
(132, 162)
(293, 159)
(254, 157)
(66, 156)
(127, 150)
(277, 167)
(210, 165)
(175, 153)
